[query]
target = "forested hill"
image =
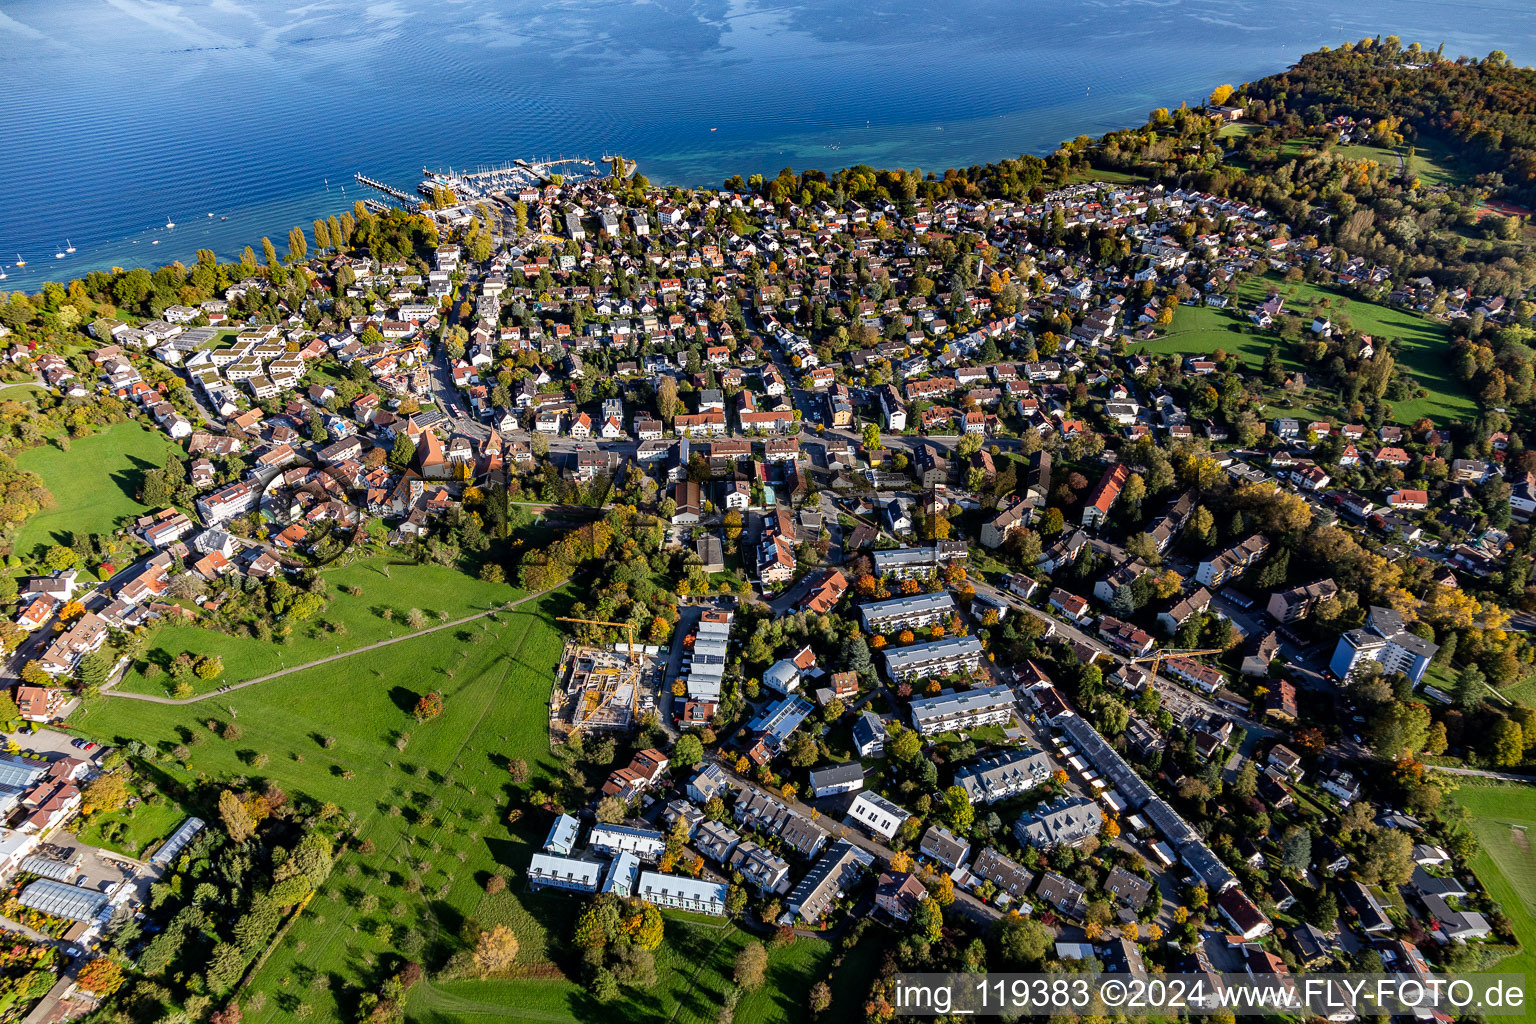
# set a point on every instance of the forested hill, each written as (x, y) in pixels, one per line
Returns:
(1487, 107)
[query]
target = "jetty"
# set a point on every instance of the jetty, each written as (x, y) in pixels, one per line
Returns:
(396, 194)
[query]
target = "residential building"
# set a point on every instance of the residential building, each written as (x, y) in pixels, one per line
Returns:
(1298, 603)
(876, 815)
(646, 844)
(1003, 775)
(914, 612)
(1104, 495)
(1233, 562)
(1063, 822)
(869, 735)
(943, 847)
(835, 871)
(1386, 642)
(839, 778)
(950, 712)
(551, 871)
(900, 894)
(691, 894)
(914, 563)
(1008, 876)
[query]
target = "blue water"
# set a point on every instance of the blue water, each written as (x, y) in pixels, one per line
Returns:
(118, 115)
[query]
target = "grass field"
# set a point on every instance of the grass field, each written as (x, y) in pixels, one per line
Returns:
(133, 829)
(1423, 347)
(93, 484)
(431, 588)
(1203, 329)
(1507, 865)
(435, 816)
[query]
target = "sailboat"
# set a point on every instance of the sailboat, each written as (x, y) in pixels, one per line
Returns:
(20, 262)
(3, 274)
(69, 246)
(59, 255)
(169, 223)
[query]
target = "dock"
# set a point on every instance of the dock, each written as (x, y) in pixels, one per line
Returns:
(404, 198)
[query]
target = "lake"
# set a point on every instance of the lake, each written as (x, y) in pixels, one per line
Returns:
(121, 115)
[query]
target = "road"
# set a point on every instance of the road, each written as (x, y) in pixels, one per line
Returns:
(965, 903)
(151, 698)
(1480, 774)
(1164, 684)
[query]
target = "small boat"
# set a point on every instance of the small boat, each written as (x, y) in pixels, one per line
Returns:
(20, 262)
(169, 223)
(155, 242)
(59, 255)
(210, 216)
(223, 218)
(69, 246)
(3, 274)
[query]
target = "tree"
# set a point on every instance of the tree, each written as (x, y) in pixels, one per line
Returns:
(210, 667)
(751, 966)
(58, 558)
(236, 817)
(105, 793)
(688, 751)
(403, 453)
(298, 247)
(496, 950)
(611, 810)
(429, 706)
(1506, 745)
(666, 399)
(906, 744)
(958, 808)
(101, 976)
(1399, 727)
(1386, 857)
(1220, 95)
(1470, 688)
(647, 928)
(225, 966)
(1022, 941)
(1296, 849)
(10, 714)
(871, 437)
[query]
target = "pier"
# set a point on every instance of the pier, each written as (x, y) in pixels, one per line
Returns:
(394, 193)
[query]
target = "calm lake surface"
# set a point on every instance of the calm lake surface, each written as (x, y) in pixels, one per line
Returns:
(119, 115)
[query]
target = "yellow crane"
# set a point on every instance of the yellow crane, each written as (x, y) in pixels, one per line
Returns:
(1157, 658)
(634, 659)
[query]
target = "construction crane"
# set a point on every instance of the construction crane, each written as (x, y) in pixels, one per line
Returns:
(1157, 658)
(628, 627)
(634, 660)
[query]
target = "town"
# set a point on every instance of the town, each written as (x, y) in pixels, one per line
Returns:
(910, 576)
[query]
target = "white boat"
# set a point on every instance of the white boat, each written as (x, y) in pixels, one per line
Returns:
(59, 255)
(3, 274)
(69, 246)
(20, 262)
(169, 223)
(155, 242)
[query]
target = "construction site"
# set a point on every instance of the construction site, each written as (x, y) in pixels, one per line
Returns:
(602, 688)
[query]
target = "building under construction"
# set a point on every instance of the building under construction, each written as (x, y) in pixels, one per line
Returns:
(603, 688)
